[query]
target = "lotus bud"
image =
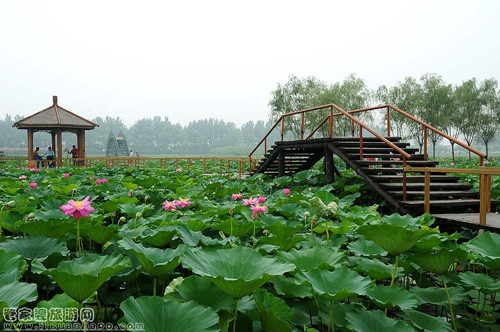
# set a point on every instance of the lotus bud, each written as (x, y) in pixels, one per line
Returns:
(271, 184)
(265, 232)
(31, 215)
(205, 198)
(140, 188)
(152, 187)
(138, 215)
(307, 214)
(122, 219)
(310, 189)
(31, 198)
(49, 186)
(11, 204)
(146, 198)
(230, 212)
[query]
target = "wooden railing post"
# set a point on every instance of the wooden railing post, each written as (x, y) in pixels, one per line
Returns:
(330, 122)
(480, 161)
(265, 146)
(282, 127)
(220, 167)
(229, 168)
(352, 127)
(483, 198)
(302, 127)
(404, 178)
(425, 143)
(488, 193)
(250, 164)
(388, 123)
(427, 192)
(189, 164)
(360, 142)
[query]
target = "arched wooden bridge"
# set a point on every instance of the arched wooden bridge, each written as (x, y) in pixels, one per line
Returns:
(387, 163)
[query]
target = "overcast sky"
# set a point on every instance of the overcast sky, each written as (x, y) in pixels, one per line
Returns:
(197, 59)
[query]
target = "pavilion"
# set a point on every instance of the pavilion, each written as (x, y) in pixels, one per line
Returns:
(56, 120)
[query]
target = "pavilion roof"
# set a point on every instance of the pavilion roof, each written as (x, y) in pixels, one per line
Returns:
(55, 116)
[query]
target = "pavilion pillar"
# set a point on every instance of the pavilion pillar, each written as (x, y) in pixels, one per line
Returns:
(30, 144)
(53, 134)
(59, 147)
(80, 138)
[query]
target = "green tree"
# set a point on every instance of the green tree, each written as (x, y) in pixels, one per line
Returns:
(489, 118)
(468, 106)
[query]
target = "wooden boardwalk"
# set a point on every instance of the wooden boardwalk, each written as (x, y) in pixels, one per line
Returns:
(469, 220)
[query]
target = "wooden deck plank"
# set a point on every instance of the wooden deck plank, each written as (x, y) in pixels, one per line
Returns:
(470, 220)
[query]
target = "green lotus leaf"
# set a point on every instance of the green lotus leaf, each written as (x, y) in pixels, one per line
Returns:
(374, 321)
(376, 269)
(389, 297)
(193, 238)
(237, 228)
(285, 243)
(202, 291)
(364, 247)
(274, 313)
(425, 323)
(281, 230)
(65, 189)
(486, 248)
(155, 315)
(158, 237)
(55, 228)
(308, 259)
(340, 229)
(35, 246)
(335, 285)
(12, 267)
(237, 272)
(439, 262)
(480, 281)
(59, 301)
(131, 209)
(98, 232)
(437, 295)
(16, 294)
(154, 261)
(408, 221)
(393, 238)
(289, 287)
(81, 277)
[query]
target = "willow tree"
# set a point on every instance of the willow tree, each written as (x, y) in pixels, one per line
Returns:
(489, 117)
(468, 104)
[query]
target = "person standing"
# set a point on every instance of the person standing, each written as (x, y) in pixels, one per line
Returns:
(74, 154)
(49, 155)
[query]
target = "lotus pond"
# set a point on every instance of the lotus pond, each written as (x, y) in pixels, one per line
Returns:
(171, 250)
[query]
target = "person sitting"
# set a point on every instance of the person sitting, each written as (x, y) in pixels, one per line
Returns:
(36, 156)
(74, 154)
(49, 155)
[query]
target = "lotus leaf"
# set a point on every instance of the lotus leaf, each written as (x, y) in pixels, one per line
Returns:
(274, 313)
(158, 315)
(81, 277)
(12, 267)
(35, 246)
(155, 262)
(374, 321)
(425, 322)
(16, 294)
(486, 248)
(335, 285)
(437, 296)
(237, 272)
(389, 296)
(480, 281)
(289, 287)
(307, 259)
(439, 262)
(364, 247)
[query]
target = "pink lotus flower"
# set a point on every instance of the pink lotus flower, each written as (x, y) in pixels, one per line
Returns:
(66, 175)
(98, 181)
(91, 177)
(486, 162)
(257, 209)
(183, 202)
(104, 180)
(286, 192)
(78, 208)
(178, 170)
(110, 164)
(22, 177)
(251, 201)
(494, 158)
(452, 164)
(33, 185)
(261, 199)
(236, 197)
(169, 206)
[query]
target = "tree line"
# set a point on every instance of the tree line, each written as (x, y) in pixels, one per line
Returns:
(468, 111)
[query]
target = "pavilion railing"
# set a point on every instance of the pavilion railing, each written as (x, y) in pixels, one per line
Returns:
(242, 164)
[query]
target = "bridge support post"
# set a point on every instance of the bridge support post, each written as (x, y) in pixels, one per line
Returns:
(281, 163)
(329, 166)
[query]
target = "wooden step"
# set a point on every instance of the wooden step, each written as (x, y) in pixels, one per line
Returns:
(450, 193)
(445, 203)
(355, 156)
(415, 178)
(365, 139)
(382, 150)
(421, 185)
(419, 163)
(378, 144)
